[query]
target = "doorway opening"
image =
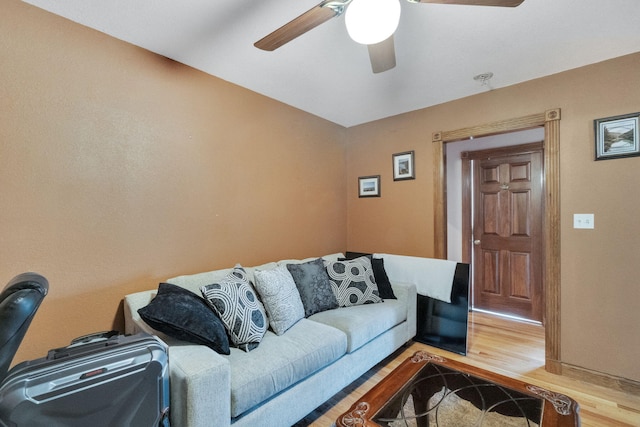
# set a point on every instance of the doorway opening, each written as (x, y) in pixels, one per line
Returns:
(499, 215)
(505, 209)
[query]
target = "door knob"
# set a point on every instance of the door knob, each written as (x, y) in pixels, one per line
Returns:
(476, 242)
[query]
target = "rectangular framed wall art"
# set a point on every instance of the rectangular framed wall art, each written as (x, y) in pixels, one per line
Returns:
(617, 137)
(369, 186)
(403, 166)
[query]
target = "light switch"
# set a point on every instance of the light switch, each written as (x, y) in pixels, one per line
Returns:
(583, 221)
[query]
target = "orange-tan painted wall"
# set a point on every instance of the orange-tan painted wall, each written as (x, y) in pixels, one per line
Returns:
(121, 168)
(599, 268)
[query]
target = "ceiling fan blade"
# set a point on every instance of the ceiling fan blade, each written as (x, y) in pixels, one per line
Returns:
(500, 3)
(382, 55)
(307, 21)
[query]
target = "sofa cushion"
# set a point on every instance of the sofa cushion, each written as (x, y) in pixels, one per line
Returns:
(280, 297)
(353, 282)
(194, 282)
(313, 284)
(362, 323)
(330, 257)
(181, 314)
(281, 361)
(239, 308)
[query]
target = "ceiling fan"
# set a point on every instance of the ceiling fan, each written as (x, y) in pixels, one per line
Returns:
(381, 48)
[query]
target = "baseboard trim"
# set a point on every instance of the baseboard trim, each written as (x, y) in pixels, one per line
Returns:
(599, 378)
(553, 366)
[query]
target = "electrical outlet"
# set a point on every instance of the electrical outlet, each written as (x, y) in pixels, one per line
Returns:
(583, 221)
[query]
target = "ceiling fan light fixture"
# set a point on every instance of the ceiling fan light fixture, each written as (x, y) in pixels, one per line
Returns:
(372, 21)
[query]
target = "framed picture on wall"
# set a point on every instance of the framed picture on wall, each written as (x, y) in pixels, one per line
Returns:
(617, 137)
(403, 166)
(369, 186)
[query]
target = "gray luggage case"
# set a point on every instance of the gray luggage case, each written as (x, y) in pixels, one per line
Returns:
(99, 380)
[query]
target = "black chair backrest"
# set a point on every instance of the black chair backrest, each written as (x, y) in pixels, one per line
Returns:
(19, 302)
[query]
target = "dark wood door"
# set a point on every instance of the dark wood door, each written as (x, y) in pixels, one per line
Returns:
(507, 231)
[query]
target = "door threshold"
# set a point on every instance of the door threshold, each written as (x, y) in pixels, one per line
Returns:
(508, 316)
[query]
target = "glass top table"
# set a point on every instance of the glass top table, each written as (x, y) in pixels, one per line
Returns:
(430, 390)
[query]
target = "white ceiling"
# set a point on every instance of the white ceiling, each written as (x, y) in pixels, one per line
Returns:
(439, 48)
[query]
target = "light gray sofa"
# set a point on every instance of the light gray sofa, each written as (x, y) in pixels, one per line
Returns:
(287, 376)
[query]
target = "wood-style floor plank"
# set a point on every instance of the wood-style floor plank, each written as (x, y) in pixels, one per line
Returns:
(511, 348)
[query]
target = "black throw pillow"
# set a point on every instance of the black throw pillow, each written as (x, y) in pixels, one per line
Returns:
(382, 280)
(184, 315)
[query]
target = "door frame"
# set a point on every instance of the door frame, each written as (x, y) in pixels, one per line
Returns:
(550, 120)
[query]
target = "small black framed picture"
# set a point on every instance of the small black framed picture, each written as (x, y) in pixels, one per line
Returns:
(617, 137)
(403, 166)
(369, 186)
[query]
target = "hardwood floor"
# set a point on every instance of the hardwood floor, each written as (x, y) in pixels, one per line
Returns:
(508, 347)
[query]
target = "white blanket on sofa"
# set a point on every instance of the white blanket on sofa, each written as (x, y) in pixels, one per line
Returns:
(432, 277)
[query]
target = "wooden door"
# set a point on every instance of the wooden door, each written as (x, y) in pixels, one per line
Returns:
(507, 231)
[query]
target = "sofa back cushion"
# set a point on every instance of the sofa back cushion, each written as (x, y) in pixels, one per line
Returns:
(326, 258)
(194, 282)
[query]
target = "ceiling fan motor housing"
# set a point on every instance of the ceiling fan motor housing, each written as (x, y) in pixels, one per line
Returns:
(372, 21)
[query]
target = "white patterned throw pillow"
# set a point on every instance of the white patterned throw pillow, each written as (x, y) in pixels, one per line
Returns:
(236, 303)
(353, 282)
(280, 297)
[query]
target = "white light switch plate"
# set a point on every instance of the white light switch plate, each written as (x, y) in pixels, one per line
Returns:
(583, 221)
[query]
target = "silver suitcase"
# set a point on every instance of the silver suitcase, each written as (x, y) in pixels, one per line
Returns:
(102, 379)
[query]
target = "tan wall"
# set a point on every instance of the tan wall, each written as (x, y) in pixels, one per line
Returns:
(400, 221)
(600, 285)
(121, 168)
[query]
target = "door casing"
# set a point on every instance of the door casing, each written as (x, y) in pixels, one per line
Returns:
(550, 120)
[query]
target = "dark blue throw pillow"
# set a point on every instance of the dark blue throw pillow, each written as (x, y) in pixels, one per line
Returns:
(186, 316)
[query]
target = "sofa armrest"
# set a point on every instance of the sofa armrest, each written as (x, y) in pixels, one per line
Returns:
(200, 379)
(133, 323)
(200, 387)
(407, 293)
